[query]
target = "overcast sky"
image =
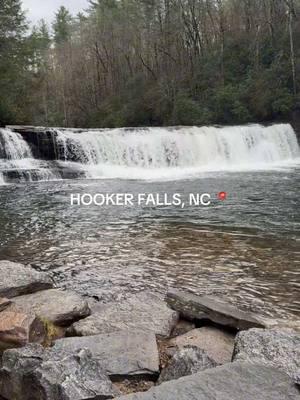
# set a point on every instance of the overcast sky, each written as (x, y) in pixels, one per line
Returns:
(38, 9)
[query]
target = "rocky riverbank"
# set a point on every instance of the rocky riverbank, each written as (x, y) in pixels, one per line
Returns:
(57, 345)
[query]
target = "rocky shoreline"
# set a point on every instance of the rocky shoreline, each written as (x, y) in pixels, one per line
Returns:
(56, 345)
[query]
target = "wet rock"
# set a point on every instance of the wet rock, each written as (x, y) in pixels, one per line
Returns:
(18, 279)
(18, 329)
(122, 354)
(186, 361)
(277, 348)
(234, 381)
(33, 373)
(4, 303)
(61, 307)
(216, 343)
(192, 307)
(144, 311)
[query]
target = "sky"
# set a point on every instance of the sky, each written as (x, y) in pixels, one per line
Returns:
(38, 9)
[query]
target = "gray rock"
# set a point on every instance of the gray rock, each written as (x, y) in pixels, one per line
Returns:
(183, 326)
(144, 311)
(17, 279)
(277, 348)
(191, 306)
(216, 343)
(122, 354)
(33, 373)
(234, 381)
(61, 307)
(186, 361)
(18, 329)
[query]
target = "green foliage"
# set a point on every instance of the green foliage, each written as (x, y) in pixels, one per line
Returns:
(150, 62)
(62, 26)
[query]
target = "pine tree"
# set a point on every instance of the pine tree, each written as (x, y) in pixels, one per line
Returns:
(13, 58)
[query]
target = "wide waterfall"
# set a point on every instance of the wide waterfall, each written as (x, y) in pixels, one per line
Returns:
(151, 153)
(166, 152)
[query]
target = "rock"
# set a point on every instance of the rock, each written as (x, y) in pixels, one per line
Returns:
(192, 307)
(33, 373)
(234, 381)
(61, 307)
(216, 343)
(182, 327)
(186, 361)
(122, 354)
(17, 279)
(277, 348)
(18, 329)
(144, 311)
(4, 303)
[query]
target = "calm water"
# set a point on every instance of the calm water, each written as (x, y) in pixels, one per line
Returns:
(245, 248)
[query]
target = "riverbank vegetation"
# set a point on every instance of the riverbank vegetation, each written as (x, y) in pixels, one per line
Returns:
(151, 62)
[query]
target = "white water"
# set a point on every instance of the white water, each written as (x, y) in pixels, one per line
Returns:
(155, 153)
(162, 153)
(16, 155)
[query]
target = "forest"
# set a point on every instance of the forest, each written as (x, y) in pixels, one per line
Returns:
(151, 62)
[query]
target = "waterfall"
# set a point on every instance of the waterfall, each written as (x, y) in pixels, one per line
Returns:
(16, 159)
(146, 153)
(152, 152)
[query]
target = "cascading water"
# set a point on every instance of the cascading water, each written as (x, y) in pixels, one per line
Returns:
(16, 157)
(166, 152)
(148, 153)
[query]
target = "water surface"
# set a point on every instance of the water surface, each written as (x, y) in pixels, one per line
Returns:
(245, 248)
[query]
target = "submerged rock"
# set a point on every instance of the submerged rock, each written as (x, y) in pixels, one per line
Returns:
(17, 279)
(61, 307)
(192, 307)
(33, 373)
(234, 381)
(18, 329)
(277, 348)
(186, 361)
(121, 354)
(216, 343)
(144, 311)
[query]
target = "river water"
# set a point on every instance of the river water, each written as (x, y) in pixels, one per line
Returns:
(245, 248)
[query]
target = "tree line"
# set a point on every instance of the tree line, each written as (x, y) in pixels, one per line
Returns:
(151, 62)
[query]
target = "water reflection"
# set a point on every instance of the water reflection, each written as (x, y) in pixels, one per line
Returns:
(246, 249)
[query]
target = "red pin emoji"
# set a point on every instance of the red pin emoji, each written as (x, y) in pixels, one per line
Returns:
(222, 196)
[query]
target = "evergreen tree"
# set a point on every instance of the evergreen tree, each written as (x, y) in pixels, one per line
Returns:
(13, 60)
(62, 26)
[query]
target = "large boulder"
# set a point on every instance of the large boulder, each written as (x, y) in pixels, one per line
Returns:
(234, 381)
(33, 373)
(61, 307)
(17, 279)
(278, 348)
(186, 361)
(216, 343)
(122, 354)
(144, 311)
(191, 306)
(18, 329)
